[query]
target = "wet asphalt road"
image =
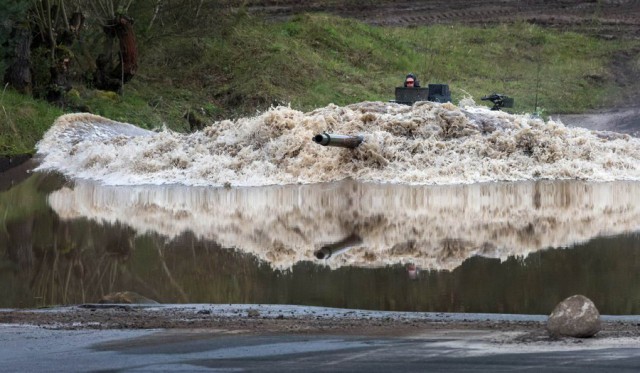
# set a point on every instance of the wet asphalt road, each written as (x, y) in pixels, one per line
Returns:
(32, 349)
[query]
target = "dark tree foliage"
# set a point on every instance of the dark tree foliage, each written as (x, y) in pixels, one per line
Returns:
(37, 38)
(43, 41)
(40, 40)
(15, 39)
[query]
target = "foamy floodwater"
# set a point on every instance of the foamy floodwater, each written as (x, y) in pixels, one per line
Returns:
(432, 227)
(427, 143)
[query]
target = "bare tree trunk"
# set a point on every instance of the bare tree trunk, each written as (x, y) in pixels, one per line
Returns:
(128, 48)
(107, 77)
(198, 10)
(155, 14)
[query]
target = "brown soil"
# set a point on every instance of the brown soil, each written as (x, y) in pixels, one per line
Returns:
(126, 317)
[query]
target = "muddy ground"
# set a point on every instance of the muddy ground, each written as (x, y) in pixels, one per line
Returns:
(270, 319)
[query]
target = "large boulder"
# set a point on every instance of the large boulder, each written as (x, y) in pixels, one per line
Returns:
(575, 316)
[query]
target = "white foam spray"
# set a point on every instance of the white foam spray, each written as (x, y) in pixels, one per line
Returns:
(427, 143)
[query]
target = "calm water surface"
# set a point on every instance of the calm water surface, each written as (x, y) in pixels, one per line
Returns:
(499, 247)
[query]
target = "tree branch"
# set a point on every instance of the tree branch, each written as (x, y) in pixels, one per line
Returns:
(64, 16)
(49, 25)
(155, 14)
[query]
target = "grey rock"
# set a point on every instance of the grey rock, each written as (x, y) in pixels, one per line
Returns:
(575, 316)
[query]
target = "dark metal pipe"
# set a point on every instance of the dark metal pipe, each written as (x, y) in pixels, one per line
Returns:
(343, 141)
(325, 252)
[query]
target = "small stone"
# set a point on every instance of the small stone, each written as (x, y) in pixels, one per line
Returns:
(253, 313)
(126, 297)
(575, 316)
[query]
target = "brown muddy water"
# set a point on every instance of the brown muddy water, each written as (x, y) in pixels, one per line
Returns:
(516, 247)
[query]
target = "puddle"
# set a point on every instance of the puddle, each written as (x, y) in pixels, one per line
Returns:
(494, 247)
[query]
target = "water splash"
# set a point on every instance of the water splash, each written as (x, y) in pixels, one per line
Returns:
(427, 143)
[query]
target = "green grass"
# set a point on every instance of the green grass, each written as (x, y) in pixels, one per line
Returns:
(567, 70)
(23, 121)
(313, 60)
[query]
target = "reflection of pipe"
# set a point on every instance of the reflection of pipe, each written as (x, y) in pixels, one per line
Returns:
(325, 252)
(343, 141)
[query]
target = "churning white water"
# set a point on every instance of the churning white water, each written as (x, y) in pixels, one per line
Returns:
(427, 143)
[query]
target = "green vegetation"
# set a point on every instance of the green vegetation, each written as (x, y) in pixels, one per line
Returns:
(10, 9)
(23, 121)
(313, 60)
(568, 70)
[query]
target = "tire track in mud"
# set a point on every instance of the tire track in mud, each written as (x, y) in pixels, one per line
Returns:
(546, 14)
(620, 17)
(482, 16)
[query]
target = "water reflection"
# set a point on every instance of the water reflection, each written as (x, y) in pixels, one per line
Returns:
(474, 248)
(367, 225)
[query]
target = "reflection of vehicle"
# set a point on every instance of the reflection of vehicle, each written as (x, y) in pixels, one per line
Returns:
(434, 92)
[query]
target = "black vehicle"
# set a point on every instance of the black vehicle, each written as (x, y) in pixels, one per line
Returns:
(434, 93)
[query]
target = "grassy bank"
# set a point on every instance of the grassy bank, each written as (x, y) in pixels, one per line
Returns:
(23, 121)
(313, 60)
